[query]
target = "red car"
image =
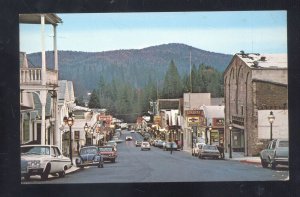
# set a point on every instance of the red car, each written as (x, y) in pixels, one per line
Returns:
(108, 153)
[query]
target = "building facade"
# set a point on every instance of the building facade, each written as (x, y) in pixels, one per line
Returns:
(252, 82)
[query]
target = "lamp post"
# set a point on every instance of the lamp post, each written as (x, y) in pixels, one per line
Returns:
(230, 147)
(86, 129)
(192, 140)
(271, 119)
(69, 120)
(210, 128)
(181, 140)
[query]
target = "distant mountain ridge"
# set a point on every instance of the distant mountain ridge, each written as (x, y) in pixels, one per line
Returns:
(134, 66)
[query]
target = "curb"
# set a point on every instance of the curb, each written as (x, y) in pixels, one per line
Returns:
(250, 162)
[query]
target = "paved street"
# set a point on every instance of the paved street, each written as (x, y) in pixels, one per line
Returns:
(156, 165)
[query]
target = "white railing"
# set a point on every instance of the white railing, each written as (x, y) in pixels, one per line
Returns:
(33, 76)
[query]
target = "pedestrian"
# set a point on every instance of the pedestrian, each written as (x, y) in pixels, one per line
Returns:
(221, 150)
(171, 145)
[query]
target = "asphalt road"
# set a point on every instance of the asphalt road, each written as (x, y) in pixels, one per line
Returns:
(156, 165)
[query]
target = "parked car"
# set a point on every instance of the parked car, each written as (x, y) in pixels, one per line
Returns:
(89, 156)
(210, 151)
(170, 145)
(159, 143)
(277, 152)
(43, 160)
(196, 147)
(138, 143)
(108, 153)
(145, 146)
(112, 143)
(128, 138)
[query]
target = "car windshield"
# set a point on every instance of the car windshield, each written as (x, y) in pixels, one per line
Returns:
(36, 150)
(105, 149)
(145, 143)
(210, 147)
(88, 151)
(283, 144)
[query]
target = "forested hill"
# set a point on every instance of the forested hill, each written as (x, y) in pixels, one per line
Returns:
(135, 66)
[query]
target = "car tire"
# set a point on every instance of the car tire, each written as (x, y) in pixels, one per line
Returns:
(273, 165)
(264, 163)
(113, 160)
(61, 174)
(200, 157)
(45, 174)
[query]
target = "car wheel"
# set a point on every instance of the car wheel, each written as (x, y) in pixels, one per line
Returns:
(45, 174)
(264, 163)
(200, 157)
(100, 165)
(113, 160)
(27, 177)
(61, 174)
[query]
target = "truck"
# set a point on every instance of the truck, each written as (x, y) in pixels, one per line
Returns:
(277, 152)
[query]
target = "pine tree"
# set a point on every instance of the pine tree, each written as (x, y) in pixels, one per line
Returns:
(172, 87)
(94, 100)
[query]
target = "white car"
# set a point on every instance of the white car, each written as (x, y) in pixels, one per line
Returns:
(145, 145)
(128, 138)
(43, 160)
(196, 148)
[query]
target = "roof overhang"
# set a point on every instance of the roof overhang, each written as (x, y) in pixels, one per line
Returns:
(36, 19)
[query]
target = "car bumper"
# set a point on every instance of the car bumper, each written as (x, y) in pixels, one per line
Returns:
(210, 155)
(283, 161)
(32, 171)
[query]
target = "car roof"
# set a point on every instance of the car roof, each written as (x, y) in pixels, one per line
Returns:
(88, 147)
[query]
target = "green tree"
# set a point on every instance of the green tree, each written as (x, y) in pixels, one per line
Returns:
(79, 101)
(172, 87)
(94, 100)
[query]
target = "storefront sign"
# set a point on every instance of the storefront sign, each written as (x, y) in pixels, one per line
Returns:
(218, 122)
(105, 118)
(194, 112)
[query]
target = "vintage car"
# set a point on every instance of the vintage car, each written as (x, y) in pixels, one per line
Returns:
(145, 145)
(138, 143)
(196, 148)
(108, 153)
(89, 156)
(128, 138)
(43, 160)
(209, 151)
(171, 146)
(276, 153)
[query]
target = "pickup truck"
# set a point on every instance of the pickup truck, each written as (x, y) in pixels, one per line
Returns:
(277, 152)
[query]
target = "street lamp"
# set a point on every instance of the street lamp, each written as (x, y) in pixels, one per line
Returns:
(192, 141)
(69, 121)
(271, 119)
(230, 147)
(86, 129)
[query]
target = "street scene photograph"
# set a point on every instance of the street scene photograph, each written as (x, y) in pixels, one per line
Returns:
(146, 97)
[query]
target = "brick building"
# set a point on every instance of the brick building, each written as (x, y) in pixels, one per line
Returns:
(253, 83)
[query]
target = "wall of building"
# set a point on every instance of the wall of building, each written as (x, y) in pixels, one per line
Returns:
(273, 75)
(280, 126)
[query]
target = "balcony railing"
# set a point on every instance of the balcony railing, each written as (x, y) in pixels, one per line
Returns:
(33, 76)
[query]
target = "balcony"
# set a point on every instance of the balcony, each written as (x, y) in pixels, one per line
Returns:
(33, 76)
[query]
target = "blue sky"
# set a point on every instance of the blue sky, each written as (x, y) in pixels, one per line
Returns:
(222, 32)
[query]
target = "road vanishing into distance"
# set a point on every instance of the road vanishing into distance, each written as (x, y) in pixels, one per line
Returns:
(136, 166)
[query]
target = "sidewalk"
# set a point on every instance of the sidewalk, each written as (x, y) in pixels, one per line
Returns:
(73, 168)
(237, 156)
